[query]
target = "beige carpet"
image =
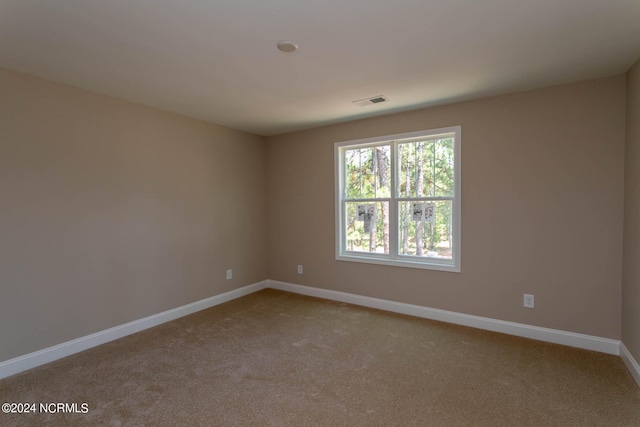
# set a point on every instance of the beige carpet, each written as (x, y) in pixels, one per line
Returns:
(278, 359)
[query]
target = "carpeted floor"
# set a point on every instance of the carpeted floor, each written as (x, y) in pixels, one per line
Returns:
(279, 359)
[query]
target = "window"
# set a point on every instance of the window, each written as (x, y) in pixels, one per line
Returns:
(398, 200)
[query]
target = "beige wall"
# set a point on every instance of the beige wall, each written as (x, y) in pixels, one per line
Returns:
(111, 211)
(542, 203)
(631, 269)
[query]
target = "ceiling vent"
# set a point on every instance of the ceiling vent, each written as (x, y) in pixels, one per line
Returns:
(369, 101)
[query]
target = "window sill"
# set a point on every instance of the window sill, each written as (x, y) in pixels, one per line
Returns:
(424, 264)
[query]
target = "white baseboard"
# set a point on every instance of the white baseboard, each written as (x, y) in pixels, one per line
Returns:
(589, 342)
(603, 345)
(631, 363)
(40, 357)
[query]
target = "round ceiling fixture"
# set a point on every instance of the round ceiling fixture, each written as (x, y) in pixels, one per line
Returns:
(287, 46)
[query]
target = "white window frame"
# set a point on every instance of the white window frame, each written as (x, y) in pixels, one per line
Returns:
(394, 258)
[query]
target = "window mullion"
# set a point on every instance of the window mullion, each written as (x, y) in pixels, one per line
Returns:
(416, 199)
(393, 205)
(370, 200)
(360, 169)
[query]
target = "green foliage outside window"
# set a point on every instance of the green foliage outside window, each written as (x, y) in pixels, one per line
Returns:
(425, 174)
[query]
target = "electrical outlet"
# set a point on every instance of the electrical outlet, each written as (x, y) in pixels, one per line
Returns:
(229, 274)
(300, 269)
(529, 300)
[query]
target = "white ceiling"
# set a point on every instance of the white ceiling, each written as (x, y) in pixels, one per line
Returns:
(217, 59)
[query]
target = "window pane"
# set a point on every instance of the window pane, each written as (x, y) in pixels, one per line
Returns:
(444, 172)
(425, 168)
(367, 226)
(425, 228)
(367, 172)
